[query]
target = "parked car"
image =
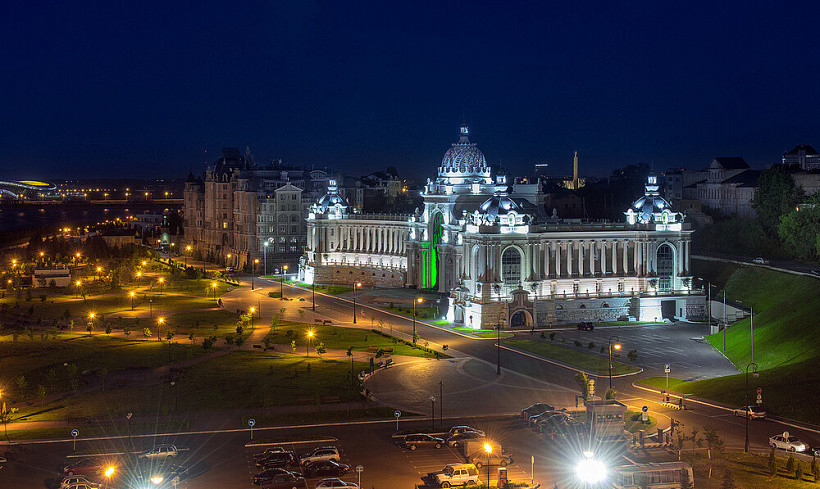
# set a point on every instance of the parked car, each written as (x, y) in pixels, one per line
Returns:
(760, 261)
(755, 412)
(86, 466)
(535, 417)
(268, 451)
(787, 442)
(815, 271)
(535, 409)
(479, 459)
(268, 475)
(456, 430)
(586, 326)
(278, 459)
(547, 423)
(76, 479)
(456, 475)
(456, 440)
(288, 480)
(83, 485)
(334, 482)
(319, 454)
(161, 451)
(325, 468)
(421, 440)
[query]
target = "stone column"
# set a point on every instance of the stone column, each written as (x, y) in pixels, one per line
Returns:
(625, 269)
(569, 245)
(591, 258)
(603, 258)
(580, 258)
(547, 257)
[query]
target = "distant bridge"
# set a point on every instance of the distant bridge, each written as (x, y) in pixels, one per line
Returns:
(15, 188)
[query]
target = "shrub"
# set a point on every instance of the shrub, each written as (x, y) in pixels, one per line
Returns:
(147, 332)
(632, 355)
(790, 464)
(577, 344)
(591, 345)
(798, 471)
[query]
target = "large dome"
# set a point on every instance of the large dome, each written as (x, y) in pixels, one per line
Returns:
(464, 159)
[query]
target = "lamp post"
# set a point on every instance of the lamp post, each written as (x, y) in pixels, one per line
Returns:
(161, 281)
(441, 403)
(108, 473)
(617, 346)
(188, 250)
(160, 320)
(746, 407)
(313, 291)
(307, 346)
(498, 346)
(419, 300)
(282, 282)
(253, 310)
(132, 299)
(253, 270)
(265, 256)
(432, 413)
(355, 289)
(213, 287)
(227, 260)
(489, 450)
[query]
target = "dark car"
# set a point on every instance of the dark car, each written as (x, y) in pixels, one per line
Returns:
(326, 468)
(287, 480)
(537, 408)
(267, 452)
(422, 440)
(278, 459)
(547, 423)
(87, 466)
(268, 475)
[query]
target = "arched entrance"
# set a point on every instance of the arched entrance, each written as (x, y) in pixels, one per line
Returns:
(520, 319)
(666, 266)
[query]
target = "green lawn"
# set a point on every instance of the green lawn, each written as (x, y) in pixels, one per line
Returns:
(483, 333)
(339, 338)
(326, 289)
(633, 423)
(749, 470)
(585, 361)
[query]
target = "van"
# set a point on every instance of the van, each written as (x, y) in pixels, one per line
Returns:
(457, 475)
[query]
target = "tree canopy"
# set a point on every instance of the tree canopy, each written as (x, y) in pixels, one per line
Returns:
(776, 195)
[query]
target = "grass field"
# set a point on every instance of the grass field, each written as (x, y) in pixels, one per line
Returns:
(483, 333)
(749, 471)
(325, 289)
(585, 361)
(335, 337)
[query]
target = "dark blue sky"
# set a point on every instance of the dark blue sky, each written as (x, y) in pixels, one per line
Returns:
(137, 88)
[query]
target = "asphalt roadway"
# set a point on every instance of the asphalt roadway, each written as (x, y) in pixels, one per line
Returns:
(472, 394)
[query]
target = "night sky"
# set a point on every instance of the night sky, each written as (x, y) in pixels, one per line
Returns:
(138, 88)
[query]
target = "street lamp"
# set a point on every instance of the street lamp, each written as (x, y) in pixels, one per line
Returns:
(617, 346)
(78, 283)
(253, 310)
(108, 473)
(187, 249)
(213, 287)
(489, 450)
(501, 320)
(132, 299)
(253, 271)
(589, 470)
(746, 407)
(355, 288)
(161, 281)
(265, 256)
(282, 282)
(307, 347)
(432, 413)
(419, 300)
(160, 320)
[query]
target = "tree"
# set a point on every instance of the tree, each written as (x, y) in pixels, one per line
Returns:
(815, 469)
(790, 464)
(685, 481)
(239, 341)
(610, 393)
(713, 440)
(800, 230)
(775, 196)
(583, 383)
(22, 383)
(632, 355)
(798, 471)
(320, 349)
(772, 463)
(41, 391)
(728, 480)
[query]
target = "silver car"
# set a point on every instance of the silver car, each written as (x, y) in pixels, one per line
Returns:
(754, 412)
(787, 442)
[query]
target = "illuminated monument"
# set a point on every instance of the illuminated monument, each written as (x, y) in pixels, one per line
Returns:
(497, 255)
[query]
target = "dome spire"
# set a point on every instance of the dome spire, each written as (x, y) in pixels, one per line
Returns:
(464, 132)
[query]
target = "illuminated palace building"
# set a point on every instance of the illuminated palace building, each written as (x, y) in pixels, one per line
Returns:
(490, 246)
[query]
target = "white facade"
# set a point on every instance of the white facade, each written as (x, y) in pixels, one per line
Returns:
(500, 260)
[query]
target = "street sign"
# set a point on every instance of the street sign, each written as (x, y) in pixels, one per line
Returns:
(759, 391)
(645, 408)
(666, 368)
(759, 399)
(397, 413)
(75, 433)
(359, 469)
(644, 416)
(251, 422)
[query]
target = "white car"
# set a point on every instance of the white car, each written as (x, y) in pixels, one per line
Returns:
(75, 480)
(334, 482)
(760, 261)
(161, 451)
(787, 442)
(457, 475)
(321, 453)
(83, 485)
(754, 412)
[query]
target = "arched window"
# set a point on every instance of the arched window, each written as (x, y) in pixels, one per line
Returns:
(511, 267)
(666, 266)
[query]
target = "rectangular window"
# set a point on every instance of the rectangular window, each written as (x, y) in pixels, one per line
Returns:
(281, 249)
(282, 239)
(224, 225)
(293, 197)
(293, 249)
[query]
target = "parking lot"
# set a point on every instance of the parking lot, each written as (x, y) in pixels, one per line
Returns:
(298, 449)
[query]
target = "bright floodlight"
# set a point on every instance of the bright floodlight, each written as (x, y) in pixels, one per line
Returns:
(109, 472)
(488, 448)
(617, 346)
(157, 479)
(590, 470)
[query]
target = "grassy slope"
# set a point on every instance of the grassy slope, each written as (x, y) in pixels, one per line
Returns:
(591, 363)
(338, 338)
(787, 342)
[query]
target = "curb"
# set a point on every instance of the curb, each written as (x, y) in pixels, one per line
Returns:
(566, 365)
